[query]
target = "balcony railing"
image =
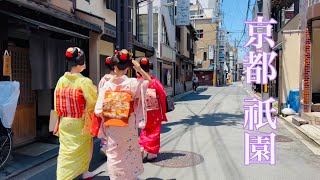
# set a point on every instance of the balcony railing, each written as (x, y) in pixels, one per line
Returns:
(312, 2)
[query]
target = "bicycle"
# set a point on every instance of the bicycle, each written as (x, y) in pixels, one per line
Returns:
(5, 144)
(9, 96)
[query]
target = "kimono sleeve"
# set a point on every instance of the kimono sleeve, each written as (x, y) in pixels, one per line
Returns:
(56, 129)
(162, 99)
(99, 104)
(55, 91)
(139, 88)
(90, 95)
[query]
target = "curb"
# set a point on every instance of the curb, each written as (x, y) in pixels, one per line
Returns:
(301, 135)
(18, 172)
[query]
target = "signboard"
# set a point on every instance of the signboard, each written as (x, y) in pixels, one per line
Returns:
(211, 52)
(183, 13)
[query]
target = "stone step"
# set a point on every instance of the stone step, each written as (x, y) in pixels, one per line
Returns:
(313, 116)
(312, 131)
(297, 120)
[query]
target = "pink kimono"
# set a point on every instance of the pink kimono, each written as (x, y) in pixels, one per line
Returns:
(156, 113)
(123, 150)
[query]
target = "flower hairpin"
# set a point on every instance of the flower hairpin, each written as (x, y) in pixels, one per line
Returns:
(108, 60)
(69, 52)
(144, 61)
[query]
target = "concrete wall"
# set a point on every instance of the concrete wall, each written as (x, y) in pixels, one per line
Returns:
(93, 58)
(98, 8)
(209, 38)
(183, 41)
(290, 64)
(315, 60)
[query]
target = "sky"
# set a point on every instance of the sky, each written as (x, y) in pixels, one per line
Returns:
(234, 15)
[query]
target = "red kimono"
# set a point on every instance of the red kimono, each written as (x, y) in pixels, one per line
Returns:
(156, 113)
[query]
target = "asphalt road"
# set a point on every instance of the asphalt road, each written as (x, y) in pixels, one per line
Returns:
(210, 124)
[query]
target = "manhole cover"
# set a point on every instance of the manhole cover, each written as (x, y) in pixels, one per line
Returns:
(178, 159)
(281, 138)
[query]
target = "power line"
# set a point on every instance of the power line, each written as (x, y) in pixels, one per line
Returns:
(244, 28)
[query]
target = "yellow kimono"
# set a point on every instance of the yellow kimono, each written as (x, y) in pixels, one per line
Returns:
(75, 98)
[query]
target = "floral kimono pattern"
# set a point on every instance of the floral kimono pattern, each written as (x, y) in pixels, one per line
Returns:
(123, 151)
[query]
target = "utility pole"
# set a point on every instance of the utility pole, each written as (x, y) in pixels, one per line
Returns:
(124, 32)
(266, 10)
(215, 74)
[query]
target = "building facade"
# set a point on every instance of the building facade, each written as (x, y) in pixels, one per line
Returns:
(37, 43)
(185, 45)
(309, 82)
(206, 28)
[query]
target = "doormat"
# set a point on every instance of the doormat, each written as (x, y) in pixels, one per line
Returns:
(36, 149)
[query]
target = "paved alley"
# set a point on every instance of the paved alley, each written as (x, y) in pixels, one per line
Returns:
(205, 130)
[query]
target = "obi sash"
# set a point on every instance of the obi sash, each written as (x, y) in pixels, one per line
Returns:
(152, 100)
(70, 102)
(117, 107)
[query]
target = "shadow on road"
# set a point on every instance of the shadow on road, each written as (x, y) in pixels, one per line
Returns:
(163, 156)
(196, 95)
(219, 119)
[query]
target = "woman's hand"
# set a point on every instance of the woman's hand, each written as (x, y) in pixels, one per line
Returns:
(136, 65)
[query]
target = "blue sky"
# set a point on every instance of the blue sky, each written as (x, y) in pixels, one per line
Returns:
(234, 17)
(233, 22)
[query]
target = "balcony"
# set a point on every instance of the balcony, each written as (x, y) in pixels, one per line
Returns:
(313, 2)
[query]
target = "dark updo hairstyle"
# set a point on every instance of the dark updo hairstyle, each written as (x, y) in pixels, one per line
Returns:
(109, 63)
(74, 57)
(146, 64)
(122, 59)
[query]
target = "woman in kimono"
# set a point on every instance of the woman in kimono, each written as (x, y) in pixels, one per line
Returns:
(156, 113)
(105, 78)
(75, 98)
(121, 106)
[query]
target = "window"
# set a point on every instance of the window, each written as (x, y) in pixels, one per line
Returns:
(155, 32)
(167, 75)
(204, 56)
(178, 45)
(200, 34)
(164, 33)
(112, 5)
(192, 13)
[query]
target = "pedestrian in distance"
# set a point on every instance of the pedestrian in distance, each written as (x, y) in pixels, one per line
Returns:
(156, 114)
(121, 105)
(74, 101)
(242, 79)
(195, 81)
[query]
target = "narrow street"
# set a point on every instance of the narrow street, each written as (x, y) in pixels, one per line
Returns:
(209, 124)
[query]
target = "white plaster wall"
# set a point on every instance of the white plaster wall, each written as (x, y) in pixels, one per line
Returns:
(98, 8)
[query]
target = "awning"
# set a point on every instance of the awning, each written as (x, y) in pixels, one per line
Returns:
(58, 14)
(46, 26)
